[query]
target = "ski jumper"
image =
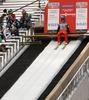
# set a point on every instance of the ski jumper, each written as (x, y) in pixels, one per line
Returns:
(62, 29)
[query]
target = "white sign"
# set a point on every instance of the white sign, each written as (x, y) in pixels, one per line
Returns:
(81, 18)
(53, 19)
(53, 4)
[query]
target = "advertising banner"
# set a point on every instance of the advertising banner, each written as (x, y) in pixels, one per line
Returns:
(53, 17)
(76, 13)
(81, 16)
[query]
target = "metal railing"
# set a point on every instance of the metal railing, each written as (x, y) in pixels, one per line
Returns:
(39, 16)
(39, 6)
(28, 5)
(13, 52)
(2, 64)
(75, 81)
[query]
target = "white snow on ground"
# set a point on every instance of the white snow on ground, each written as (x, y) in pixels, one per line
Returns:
(41, 72)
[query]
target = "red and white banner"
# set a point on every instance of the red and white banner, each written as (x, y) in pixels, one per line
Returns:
(81, 16)
(53, 16)
(75, 11)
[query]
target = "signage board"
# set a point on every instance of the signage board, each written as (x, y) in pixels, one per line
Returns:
(81, 16)
(75, 11)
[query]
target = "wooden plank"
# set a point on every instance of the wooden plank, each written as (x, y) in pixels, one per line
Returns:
(69, 35)
(27, 36)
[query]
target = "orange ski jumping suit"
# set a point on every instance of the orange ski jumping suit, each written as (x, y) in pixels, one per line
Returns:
(62, 28)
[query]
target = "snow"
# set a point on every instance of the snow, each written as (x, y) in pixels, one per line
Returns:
(41, 72)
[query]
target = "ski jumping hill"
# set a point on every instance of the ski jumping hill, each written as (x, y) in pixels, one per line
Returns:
(41, 72)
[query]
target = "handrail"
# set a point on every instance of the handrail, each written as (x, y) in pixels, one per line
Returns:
(31, 4)
(27, 5)
(75, 81)
(69, 74)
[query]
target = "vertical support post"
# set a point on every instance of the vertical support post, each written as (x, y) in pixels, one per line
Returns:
(40, 11)
(0, 38)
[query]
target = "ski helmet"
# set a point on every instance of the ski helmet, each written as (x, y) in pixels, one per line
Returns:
(63, 18)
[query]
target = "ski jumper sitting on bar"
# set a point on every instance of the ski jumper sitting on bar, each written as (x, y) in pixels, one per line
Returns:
(63, 28)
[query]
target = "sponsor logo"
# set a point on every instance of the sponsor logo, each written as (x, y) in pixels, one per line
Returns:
(67, 14)
(53, 4)
(81, 24)
(67, 5)
(52, 24)
(67, 10)
(81, 3)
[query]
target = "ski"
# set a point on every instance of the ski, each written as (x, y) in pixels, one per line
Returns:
(64, 46)
(57, 47)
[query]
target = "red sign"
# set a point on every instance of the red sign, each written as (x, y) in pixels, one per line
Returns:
(72, 10)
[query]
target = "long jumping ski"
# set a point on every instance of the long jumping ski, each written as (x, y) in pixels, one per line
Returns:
(57, 47)
(64, 46)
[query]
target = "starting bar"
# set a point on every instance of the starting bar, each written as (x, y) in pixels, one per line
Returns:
(69, 35)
